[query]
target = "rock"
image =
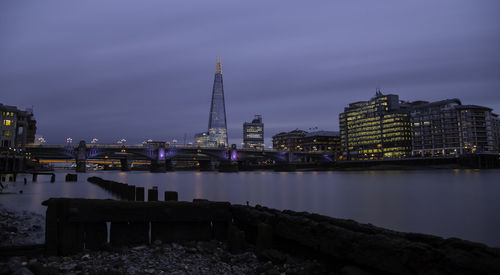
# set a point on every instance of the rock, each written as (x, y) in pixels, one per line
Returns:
(353, 270)
(86, 257)
(14, 264)
(273, 255)
(11, 229)
(23, 271)
(157, 242)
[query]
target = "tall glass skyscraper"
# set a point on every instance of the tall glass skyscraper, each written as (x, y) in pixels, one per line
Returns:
(217, 126)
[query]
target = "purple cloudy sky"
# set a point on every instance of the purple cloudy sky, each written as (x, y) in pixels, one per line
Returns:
(144, 69)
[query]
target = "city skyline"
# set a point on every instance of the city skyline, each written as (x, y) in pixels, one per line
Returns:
(150, 79)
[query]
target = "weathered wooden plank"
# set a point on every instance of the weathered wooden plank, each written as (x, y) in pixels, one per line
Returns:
(181, 231)
(85, 210)
(96, 235)
(129, 233)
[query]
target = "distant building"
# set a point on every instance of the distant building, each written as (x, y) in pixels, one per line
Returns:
(253, 134)
(288, 141)
(321, 141)
(217, 126)
(17, 128)
(385, 127)
(201, 139)
(448, 128)
(375, 129)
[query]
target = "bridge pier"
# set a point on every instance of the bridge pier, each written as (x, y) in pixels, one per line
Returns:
(81, 166)
(169, 165)
(158, 166)
(81, 157)
(228, 166)
(206, 165)
(124, 164)
(285, 167)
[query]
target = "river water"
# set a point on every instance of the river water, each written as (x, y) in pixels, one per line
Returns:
(447, 203)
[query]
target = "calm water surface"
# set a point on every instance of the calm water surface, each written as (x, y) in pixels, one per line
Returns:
(448, 203)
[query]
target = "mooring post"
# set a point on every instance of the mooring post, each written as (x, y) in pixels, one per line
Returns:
(139, 194)
(153, 194)
(171, 196)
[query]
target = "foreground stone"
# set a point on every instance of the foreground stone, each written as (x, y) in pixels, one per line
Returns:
(210, 257)
(21, 228)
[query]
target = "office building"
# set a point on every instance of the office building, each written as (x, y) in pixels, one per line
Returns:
(18, 127)
(375, 129)
(217, 126)
(253, 134)
(288, 141)
(201, 139)
(448, 128)
(321, 141)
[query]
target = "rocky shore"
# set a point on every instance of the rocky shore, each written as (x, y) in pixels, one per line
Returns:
(21, 228)
(209, 257)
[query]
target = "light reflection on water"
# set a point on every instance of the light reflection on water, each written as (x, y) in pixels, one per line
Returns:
(449, 203)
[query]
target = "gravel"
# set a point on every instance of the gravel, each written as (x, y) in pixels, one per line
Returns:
(209, 257)
(21, 228)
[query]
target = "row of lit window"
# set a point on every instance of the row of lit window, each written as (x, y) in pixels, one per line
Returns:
(396, 139)
(364, 134)
(11, 114)
(394, 134)
(362, 124)
(351, 143)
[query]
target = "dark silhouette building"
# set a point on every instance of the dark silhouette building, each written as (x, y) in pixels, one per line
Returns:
(217, 126)
(17, 128)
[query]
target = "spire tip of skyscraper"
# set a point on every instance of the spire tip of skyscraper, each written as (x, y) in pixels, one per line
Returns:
(218, 66)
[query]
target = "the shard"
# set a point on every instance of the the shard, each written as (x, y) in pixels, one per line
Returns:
(217, 127)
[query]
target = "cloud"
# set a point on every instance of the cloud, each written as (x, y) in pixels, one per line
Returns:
(136, 70)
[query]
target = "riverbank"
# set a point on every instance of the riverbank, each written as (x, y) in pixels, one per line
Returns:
(18, 230)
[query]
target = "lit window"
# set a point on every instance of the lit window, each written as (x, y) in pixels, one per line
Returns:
(7, 122)
(7, 133)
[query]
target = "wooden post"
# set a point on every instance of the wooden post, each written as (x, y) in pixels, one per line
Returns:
(171, 196)
(139, 194)
(153, 194)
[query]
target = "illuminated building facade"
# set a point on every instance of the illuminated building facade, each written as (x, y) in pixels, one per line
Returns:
(217, 126)
(253, 134)
(288, 141)
(17, 127)
(201, 139)
(321, 141)
(375, 129)
(448, 128)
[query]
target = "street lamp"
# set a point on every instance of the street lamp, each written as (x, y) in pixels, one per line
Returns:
(69, 140)
(94, 140)
(41, 140)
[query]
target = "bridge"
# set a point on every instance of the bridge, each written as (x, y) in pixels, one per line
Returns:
(161, 156)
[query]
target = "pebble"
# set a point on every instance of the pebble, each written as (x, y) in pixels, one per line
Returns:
(21, 228)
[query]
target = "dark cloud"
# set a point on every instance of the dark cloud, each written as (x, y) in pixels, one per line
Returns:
(144, 70)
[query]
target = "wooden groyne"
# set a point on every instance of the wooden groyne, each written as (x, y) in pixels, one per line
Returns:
(130, 192)
(75, 224)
